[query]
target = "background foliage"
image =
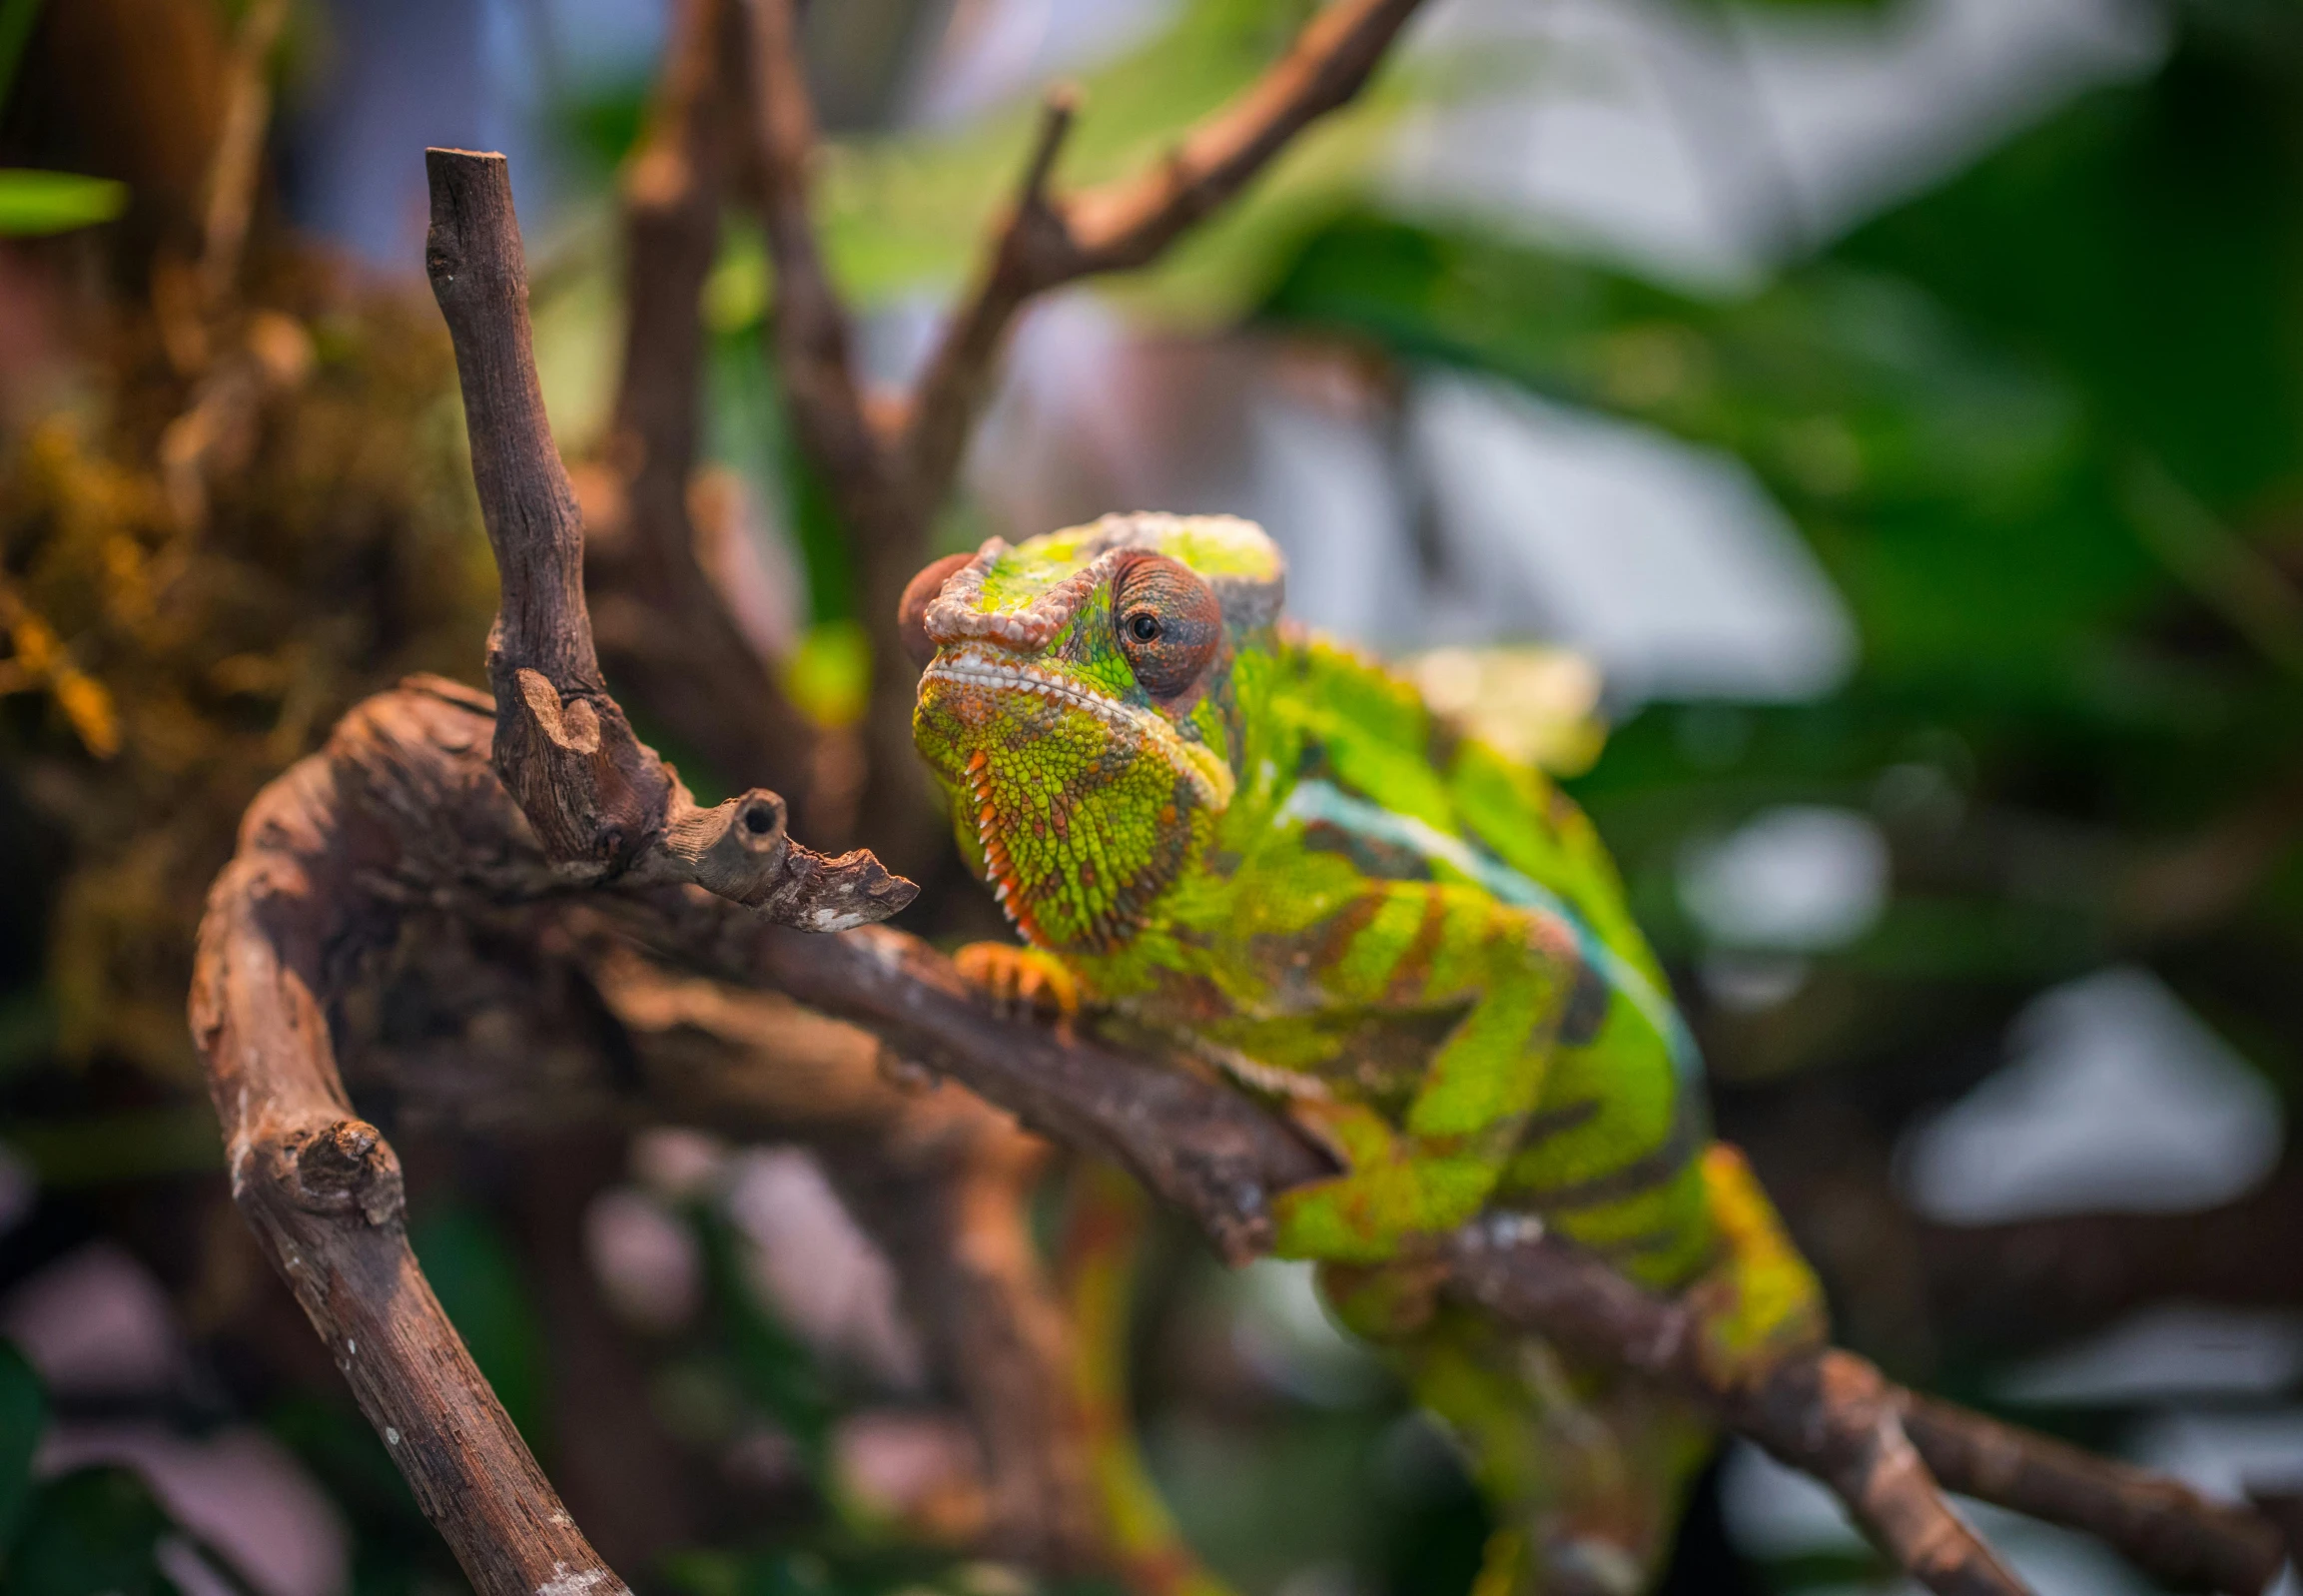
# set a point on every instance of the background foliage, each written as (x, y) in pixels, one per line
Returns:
(2042, 424)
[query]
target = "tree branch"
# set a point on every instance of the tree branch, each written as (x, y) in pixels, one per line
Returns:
(2181, 1538)
(809, 324)
(1047, 242)
(603, 804)
(402, 808)
(321, 1191)
(238, 162)
(410, 772)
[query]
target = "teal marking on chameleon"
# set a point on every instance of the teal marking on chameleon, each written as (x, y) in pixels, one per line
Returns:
(1325, 801)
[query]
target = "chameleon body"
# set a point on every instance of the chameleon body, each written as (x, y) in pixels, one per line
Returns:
(1215, 829)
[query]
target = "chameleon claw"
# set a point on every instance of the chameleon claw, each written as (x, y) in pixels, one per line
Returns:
(1019, 978)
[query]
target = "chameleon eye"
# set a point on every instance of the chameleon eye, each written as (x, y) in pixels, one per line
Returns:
(912, 613)
(1169, 623)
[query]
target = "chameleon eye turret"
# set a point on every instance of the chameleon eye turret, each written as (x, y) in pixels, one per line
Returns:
(1169, 624)
(912, 611)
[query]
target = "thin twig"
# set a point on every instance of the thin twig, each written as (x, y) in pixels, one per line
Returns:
(1046, 242)
(812, 340)
(1032, 250)
(2183, 1539)
(238, 162)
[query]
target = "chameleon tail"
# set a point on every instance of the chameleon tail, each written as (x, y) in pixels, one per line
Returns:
(1103, 1227)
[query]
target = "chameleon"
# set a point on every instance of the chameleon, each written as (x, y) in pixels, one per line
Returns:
(1229, 836)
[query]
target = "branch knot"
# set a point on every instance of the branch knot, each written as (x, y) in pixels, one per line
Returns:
(344, 1168)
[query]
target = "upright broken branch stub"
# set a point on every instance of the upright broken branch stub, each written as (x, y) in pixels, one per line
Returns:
(601, 802)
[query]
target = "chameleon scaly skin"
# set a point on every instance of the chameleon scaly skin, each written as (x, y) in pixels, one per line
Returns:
(1253, 842)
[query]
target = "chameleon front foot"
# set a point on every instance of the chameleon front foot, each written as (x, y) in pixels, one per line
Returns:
(1019, 978)
(1760, 1303)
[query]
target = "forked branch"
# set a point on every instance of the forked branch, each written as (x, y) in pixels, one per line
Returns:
(403, 807)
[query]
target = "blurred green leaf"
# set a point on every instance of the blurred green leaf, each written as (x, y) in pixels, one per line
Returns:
(55, 201)
(2149, 239)
(16, 19)
(1948, 487)
(829, 677)
(92, 1532)
(776, 1370)
(23, 1414)
(907, 213)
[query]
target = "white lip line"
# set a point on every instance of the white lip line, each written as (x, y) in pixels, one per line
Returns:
(975, 671)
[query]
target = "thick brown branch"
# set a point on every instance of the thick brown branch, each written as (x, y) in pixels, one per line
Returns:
(410, 772)
(1199, 1144)
(321, 1191)
(601, 802)
(1047, 242)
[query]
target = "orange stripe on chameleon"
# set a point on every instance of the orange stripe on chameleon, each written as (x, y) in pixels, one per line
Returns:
(1005, 887)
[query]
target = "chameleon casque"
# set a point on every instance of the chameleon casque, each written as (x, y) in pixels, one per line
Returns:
(1214, 829)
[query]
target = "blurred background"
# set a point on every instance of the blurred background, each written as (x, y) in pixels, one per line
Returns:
(1857, 445)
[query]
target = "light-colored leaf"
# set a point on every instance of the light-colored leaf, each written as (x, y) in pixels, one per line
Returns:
(55, 201)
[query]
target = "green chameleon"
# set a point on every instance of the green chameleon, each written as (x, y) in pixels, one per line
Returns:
(1215, 829)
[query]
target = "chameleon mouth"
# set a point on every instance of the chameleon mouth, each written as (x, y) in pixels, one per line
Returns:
(976, 669)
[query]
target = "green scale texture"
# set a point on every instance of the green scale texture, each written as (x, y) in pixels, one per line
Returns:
(1299, 871)
(1285, 864)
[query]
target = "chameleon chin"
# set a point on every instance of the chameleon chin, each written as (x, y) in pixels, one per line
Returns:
(1257, 843)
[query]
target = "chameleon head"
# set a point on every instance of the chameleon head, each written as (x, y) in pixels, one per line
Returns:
(1079, 706)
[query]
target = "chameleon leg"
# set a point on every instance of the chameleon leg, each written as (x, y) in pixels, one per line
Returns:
(1583, 1471)
(1017, 977)
(1760, 1300)
(1421, 946)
